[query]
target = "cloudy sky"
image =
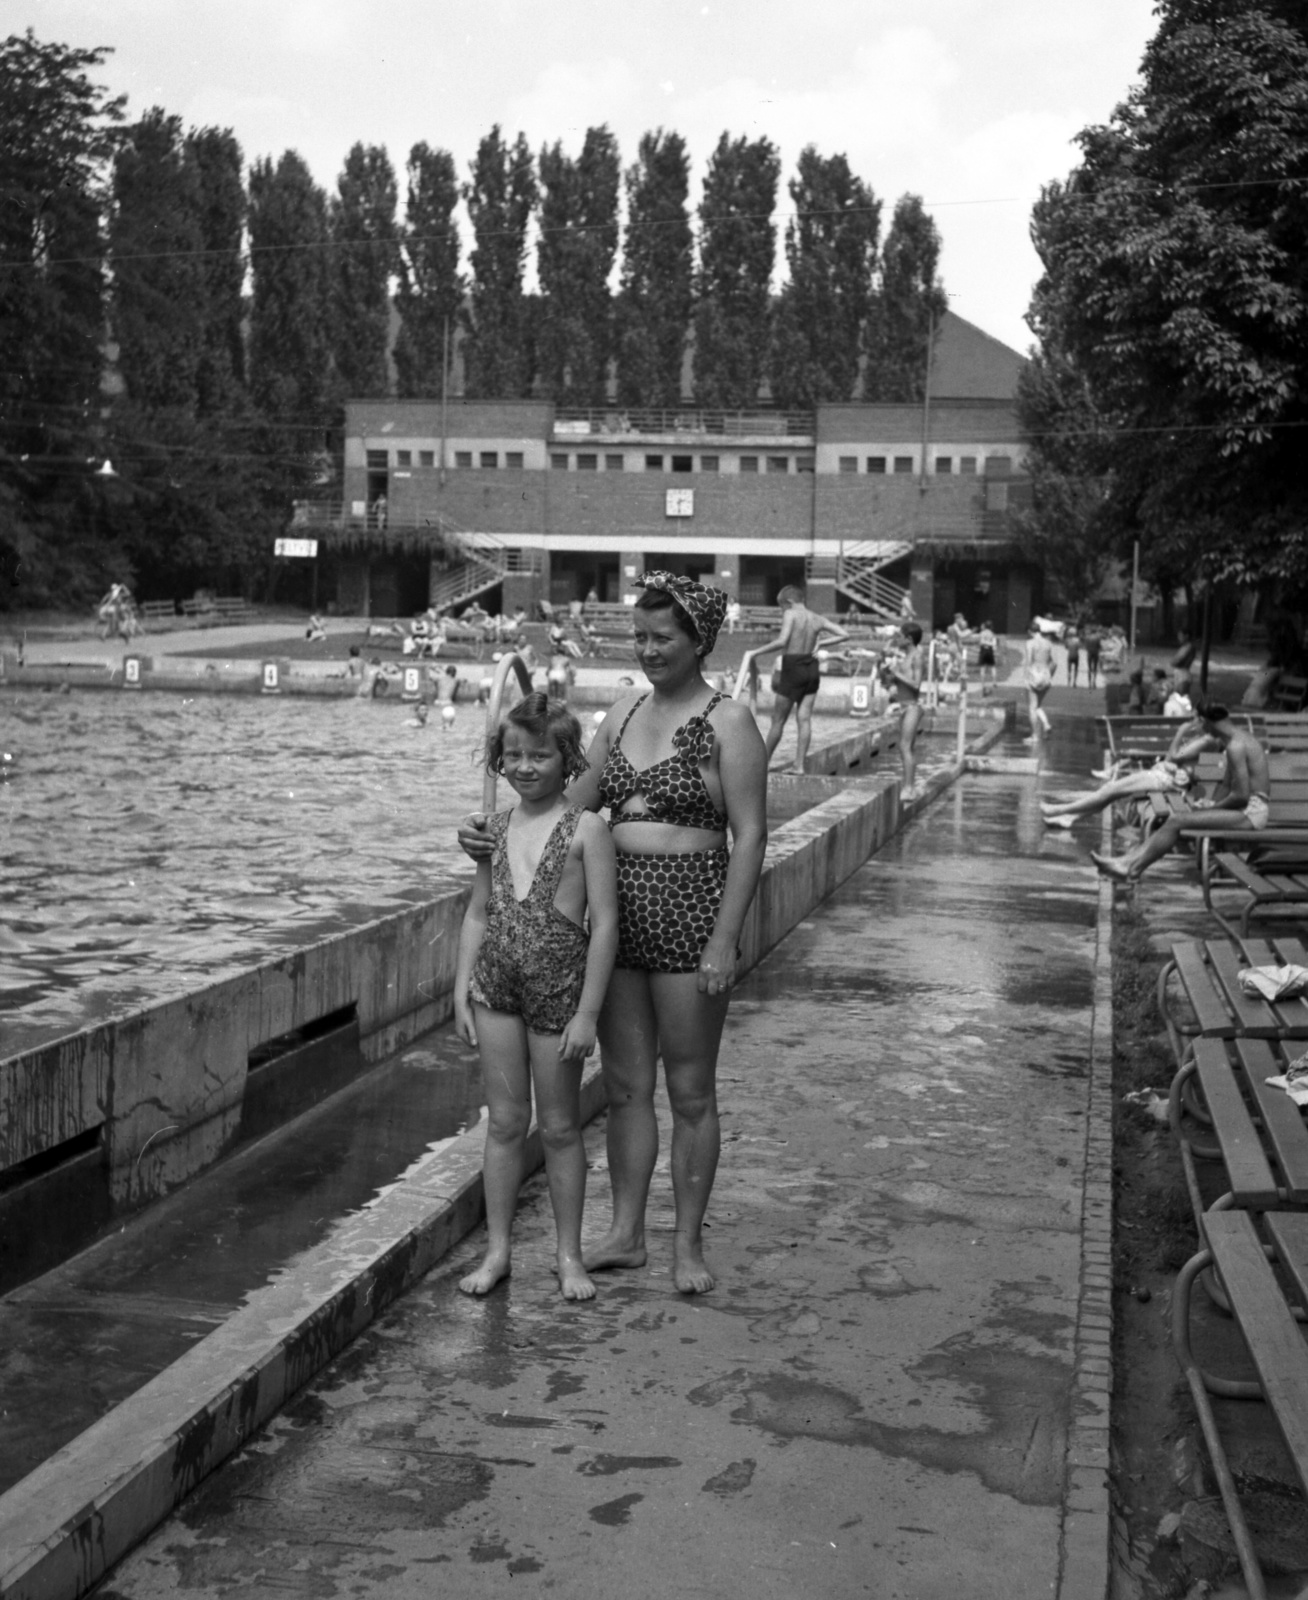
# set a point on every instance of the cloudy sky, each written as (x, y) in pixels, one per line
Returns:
(972, 105)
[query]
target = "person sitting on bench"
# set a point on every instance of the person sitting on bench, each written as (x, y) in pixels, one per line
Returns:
(1170, 774)
(1239, 802)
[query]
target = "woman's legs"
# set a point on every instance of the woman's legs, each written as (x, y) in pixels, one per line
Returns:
(690, 1030)
(628, 1036)
(909, 723)
(1135, 783)
(502, 1041)
(558, 1115)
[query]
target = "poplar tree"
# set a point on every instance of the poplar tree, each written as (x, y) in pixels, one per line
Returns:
(363, 259)
(500, 197)
(907, 307)
(430, 287)
(578, 241)
(215, 157)
(831, 250)
(58, 131)
(736, 255)
(656, 294)
(291, 303)
(157, 307)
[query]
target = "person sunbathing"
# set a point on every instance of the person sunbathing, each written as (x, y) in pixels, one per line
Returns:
(1240, 801)
(1172, 774)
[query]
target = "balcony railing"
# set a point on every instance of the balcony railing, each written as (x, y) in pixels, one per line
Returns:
(612, 422)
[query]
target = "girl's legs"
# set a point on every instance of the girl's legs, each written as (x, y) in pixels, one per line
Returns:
(502, 1041)
(690, 1030)
(1040, 712)
(628, 1036)
(558, 1115)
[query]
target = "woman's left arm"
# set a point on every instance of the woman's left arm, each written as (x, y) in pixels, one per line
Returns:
(742, 768)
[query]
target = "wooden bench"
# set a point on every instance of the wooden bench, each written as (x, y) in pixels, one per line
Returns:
(1268, 1309)
(1290, 693)
(1207, 974)
(157, 611)
(213, 613)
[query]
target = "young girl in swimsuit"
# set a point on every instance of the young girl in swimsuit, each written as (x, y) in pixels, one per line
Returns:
(529, 981)
(677, 767)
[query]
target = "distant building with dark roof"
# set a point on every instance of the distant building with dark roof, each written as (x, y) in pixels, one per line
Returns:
(519, 501)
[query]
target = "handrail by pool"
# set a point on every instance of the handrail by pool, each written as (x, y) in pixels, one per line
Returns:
(511, 660)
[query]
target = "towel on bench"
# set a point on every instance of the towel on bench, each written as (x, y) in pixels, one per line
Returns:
(1274, 983)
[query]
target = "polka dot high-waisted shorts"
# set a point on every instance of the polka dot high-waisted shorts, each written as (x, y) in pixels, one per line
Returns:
(667, 906)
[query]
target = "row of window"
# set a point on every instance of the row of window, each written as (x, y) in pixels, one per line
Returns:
(588, 462)
(943, 464)
(584, 461)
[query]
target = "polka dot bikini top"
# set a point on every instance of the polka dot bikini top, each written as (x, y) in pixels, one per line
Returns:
(674, 788)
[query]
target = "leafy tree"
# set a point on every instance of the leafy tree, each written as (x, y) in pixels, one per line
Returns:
(1174, 278)
(57, 134)
(656, 296)
(430, 289)
(831, 249)
(363, 259)
(1067, 531)
(908, 304)
(737, 249)
(500, 199)
(578, 241)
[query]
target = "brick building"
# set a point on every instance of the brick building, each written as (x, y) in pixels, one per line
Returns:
(519, 500)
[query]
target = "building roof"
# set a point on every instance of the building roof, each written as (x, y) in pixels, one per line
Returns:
(969, 364)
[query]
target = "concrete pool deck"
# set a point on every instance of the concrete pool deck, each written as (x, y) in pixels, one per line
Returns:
(900, 1386)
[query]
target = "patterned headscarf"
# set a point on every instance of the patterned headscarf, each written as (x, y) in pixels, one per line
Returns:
(705, 607)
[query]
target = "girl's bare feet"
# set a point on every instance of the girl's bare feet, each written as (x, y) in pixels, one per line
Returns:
(614, 1250)
(573, 1281)
(690, 1272)
(487, 1275)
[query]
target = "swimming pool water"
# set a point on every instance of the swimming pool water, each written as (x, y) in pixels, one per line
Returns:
(152, 843)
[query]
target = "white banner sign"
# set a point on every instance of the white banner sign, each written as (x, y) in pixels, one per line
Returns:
(295, 547)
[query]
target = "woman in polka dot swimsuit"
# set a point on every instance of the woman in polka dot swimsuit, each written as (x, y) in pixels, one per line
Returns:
(678, 766)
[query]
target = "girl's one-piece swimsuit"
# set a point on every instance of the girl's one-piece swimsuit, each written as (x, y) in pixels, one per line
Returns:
(667, 904)
(532, 961)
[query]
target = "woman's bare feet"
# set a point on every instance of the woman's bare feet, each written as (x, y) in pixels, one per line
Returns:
(573, 1280)
(690, 1273)
(1118, 867)
(614, 1250)
(1059, 819)
(487, 1275)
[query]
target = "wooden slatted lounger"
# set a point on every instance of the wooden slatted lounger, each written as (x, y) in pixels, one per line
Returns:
(1270, 1322)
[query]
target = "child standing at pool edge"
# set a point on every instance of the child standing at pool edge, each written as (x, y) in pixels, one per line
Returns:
(529, 980)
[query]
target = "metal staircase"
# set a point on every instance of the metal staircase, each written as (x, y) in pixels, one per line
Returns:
(859, 575)
(478, 562)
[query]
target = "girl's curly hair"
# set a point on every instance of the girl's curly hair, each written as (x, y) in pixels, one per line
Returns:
(539, 716)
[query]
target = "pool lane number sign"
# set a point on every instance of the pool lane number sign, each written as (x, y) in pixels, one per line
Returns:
(412, 689)
(131, 672)
(271, 680)
(306, 548)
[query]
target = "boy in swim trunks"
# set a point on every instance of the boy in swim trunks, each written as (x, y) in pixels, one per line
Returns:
(800, 677)
(1239, 802)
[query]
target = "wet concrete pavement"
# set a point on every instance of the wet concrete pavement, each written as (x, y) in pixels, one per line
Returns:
(878, 1397)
